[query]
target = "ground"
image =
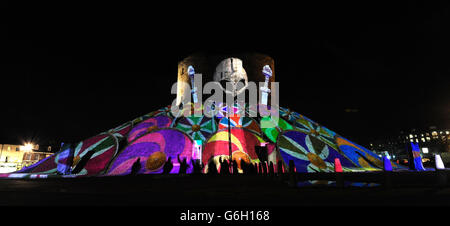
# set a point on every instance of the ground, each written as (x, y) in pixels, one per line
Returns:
(232, 190)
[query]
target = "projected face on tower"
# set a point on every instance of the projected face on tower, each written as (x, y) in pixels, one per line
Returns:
(231, 71)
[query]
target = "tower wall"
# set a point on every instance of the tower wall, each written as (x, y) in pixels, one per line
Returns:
(205, 64)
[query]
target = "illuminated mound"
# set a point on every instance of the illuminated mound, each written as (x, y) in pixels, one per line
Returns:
(149, 148)
(147, 125)
(158, 135)
(243, 144)
(309, 153)
(92, 155)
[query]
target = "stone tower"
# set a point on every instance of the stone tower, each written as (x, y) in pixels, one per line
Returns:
(206, 64)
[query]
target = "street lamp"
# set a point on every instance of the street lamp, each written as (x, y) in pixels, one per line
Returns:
(27, 147)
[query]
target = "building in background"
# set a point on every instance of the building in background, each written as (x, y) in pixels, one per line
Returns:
(431, 140)
(15, 157)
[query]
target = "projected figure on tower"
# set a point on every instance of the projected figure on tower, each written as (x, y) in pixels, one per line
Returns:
(265, 89)
(191, 73)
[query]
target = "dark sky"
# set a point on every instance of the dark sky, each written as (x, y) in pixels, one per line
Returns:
(72, 70)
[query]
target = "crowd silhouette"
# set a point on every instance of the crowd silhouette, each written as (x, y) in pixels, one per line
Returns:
(223, 167)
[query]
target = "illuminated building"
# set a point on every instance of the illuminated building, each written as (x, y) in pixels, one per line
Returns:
(248, 132)
(14, 157)
(431, 141)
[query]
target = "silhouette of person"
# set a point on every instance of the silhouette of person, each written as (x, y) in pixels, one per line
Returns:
(224, 167)
(197, 166)
(251, 168)
(212, 169)
(265, 168)
(168, 166)
(235, 167)
(291, 166)
(292, 176)
(280, 167)
(136, 167)
(183, 165)
(262, 153)
(244, 167)
(271, 169)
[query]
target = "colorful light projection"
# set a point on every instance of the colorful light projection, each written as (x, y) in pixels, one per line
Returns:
(152, 148)
(243, 144)
(276, 126)
(164, 111)
(289, 115)
(197, 150)
(264, 110)
(272, 154)
(360, 156)
(64, 159)
(387, 164)
(199, 128)
(138, 120)
(92, 155)
(221, 110)
(149, 125)
(316, 130)
(415, 149)
(249, 110)
(214, 146)
(309, 153)
(240, 122)
(121, 131)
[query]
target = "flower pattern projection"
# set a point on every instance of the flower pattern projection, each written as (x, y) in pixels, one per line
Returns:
(94, 153)
(240, 122)
(210, 109)
(311, 146)
(273, 126)
(222, 109)
(288, 114)
(308, 153)
(359, 155)
(314, 129)
(199, 128)
(165, 111)
(152, 150)
(240, 108)
(196, 109)
(243, 144)
(149, 125)
(250, 110)
(121, 131)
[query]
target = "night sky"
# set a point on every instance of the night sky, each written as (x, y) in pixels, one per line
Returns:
(72, 70)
